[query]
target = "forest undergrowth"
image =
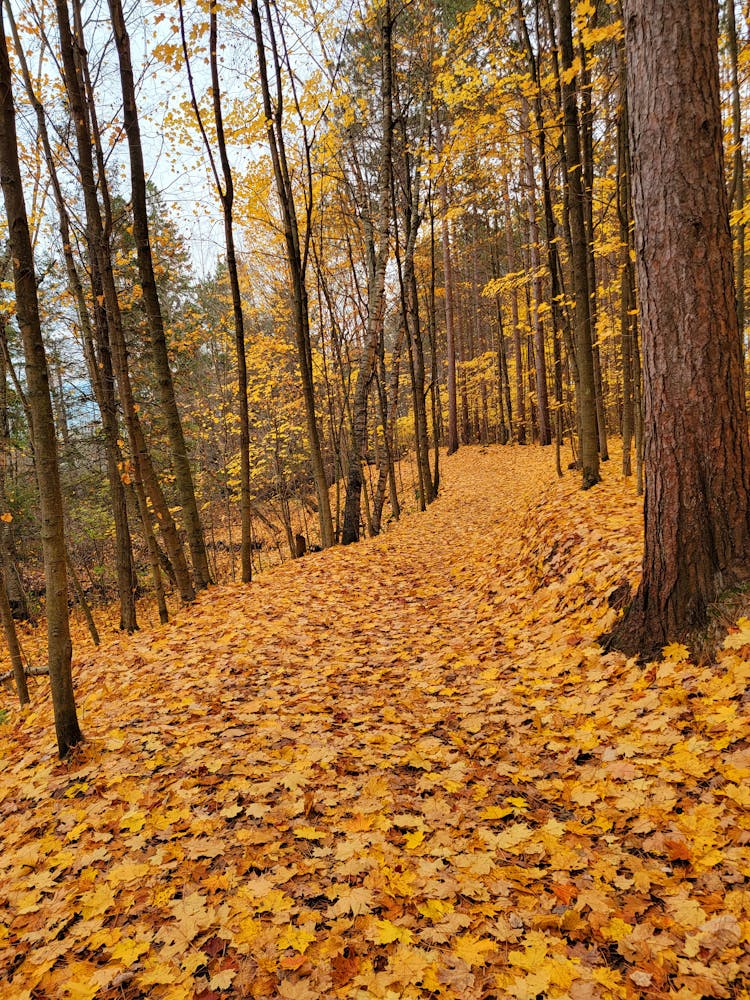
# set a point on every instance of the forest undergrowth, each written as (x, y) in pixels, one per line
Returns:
(400, 769)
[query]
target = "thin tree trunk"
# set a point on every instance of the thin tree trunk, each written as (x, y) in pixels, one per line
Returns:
(587, 154)
(9, 627)
(628, 326)
(583, 332)
(450, 332)
(520, 415)
(225, 190)
(375, 290)
(540, 369)
(155, 320)
(737, 187)
(81, 598)
(74, 71)
(388, 403)
(296, 255)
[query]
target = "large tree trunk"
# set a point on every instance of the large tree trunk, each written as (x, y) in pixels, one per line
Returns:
(697, 454)
(43, 427)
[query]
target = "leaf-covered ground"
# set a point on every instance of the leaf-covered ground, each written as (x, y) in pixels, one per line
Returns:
(400, 769)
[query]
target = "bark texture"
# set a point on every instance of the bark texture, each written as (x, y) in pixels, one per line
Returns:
(697, 456)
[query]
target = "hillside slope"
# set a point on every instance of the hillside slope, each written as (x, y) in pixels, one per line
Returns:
(400, 769)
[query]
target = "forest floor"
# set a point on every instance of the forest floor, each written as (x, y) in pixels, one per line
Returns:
(401, 769)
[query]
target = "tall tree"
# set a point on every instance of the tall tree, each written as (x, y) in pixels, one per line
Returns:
(43, 426)
(155, 320)
(737, 187)
(574, 176)
(225, 189)
(697, 453)
(297, 240)
(378, 251)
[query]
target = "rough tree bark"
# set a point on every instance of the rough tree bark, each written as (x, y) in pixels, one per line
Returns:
(697, 453)
(43, 428)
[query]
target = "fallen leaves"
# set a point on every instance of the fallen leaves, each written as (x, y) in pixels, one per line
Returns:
(401, 769)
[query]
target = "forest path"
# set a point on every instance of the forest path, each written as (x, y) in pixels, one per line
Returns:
(399, 769)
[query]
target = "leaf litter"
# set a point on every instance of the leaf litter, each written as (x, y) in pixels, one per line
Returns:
(399, 769)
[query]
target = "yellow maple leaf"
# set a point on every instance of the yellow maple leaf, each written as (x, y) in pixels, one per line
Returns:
(414, 839)
(355, 901)
(608, 977)
(435, 909)
(409, 964)
(157, 972)
(81, 991)
(248, 932)
(386, 932)
(178, 991)
(497, 812)
(514, 835)
(222, 980)
(128, 950)
(297, 938)
(95, 902)
(128, 871)
(675, 652)
(79, 984)
(473, 950)
(308, 833)
(617, 929)
(275, 901)
(192, 915)
(533, 955)
(133, 821)
(737, 793)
